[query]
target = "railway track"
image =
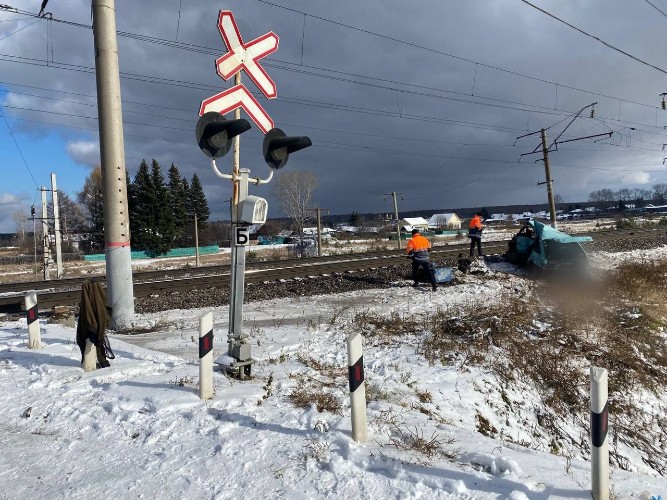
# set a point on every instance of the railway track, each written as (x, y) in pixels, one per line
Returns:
(68, 291)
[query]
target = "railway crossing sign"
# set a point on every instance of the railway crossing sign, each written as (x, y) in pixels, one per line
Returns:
(243, 56)
(238, 97)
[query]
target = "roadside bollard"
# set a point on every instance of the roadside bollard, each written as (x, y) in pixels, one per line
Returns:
(206, 356)
(31, 314)
(355, 361)
(89, 357)
(599, 428)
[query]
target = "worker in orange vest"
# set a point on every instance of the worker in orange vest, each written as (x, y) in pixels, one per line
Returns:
(418, 249)
(475, 234)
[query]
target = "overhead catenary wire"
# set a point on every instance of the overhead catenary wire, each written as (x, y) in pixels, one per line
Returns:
(531, 110)
(270, 62)
(312, 103)
(656, 8)
(606, 44)
(11, 133)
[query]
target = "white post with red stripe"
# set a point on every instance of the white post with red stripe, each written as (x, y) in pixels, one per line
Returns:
(89, 357)
(206, 356)
(599, 428)
(31, 310)
(355, 361)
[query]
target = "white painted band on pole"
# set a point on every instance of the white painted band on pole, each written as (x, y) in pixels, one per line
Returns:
(355, 361)
(31, 314)
(89, 357)
(599, 427)
(206, 356)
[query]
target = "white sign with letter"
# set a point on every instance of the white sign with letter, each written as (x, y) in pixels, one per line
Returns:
(241, 236)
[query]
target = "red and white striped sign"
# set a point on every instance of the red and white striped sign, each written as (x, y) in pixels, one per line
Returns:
(238, 97)
(245, 56)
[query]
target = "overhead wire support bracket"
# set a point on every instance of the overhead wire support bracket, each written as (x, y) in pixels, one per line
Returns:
(570, 123)
(607, 134)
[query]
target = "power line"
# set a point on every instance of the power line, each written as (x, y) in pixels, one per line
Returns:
(20, 29)
(446, 54)
(606, 44)
(284, 99)
(656, 8)
(18, 147)
(271, 62)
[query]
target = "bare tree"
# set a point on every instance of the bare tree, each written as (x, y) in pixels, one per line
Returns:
(624, 194)
(558, 199)
(21, 220)
(294, 189)
(660, 193)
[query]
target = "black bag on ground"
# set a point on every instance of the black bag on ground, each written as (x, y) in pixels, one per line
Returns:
(94, 318)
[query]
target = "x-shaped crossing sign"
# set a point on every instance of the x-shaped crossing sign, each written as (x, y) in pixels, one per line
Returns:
(243, 56)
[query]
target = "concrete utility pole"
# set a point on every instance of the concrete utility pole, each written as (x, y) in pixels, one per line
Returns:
(56, 227)
(398, 222)
(549, 182)
(120, 294)
(318, 210)
(45, 235)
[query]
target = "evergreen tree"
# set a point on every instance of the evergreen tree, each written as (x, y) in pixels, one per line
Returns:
(162, 210)
(197, 203)
(177, 190)
(92, 198)
(142, 220)
(131, 200)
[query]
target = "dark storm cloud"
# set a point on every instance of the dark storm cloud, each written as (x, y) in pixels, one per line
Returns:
(374, 150)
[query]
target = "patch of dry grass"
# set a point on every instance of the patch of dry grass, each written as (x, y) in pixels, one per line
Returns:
(549, 340)
(305, 397)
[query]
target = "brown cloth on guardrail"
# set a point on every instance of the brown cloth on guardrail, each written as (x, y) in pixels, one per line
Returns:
(94, 317)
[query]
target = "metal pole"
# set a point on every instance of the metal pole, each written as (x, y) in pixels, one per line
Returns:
(319, 233)
(56, 227)
(196, 243)
(547, 171)
(398, 222)
(120, 295)
(233, 209)
(238, 348)
(599, 428)
(45, 236)
(34, 237)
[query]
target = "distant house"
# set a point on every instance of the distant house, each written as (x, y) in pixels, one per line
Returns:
(444, 221)
(410, 223)
(498, 219)
(661, 209)
(524, 216)
(313, 230)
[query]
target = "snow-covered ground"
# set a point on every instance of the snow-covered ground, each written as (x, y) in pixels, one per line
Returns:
(139, 430)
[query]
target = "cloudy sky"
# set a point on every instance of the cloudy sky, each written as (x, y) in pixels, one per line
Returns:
(423, 98)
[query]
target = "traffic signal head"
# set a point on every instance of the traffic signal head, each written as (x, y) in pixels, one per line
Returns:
(215, 133)
(277, 147)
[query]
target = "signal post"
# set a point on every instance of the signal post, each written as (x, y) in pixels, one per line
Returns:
(216, 136)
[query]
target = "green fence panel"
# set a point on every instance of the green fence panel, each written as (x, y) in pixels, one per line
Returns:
(174, 252)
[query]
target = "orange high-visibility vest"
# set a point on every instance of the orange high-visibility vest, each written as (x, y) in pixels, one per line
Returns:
(418, 243)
